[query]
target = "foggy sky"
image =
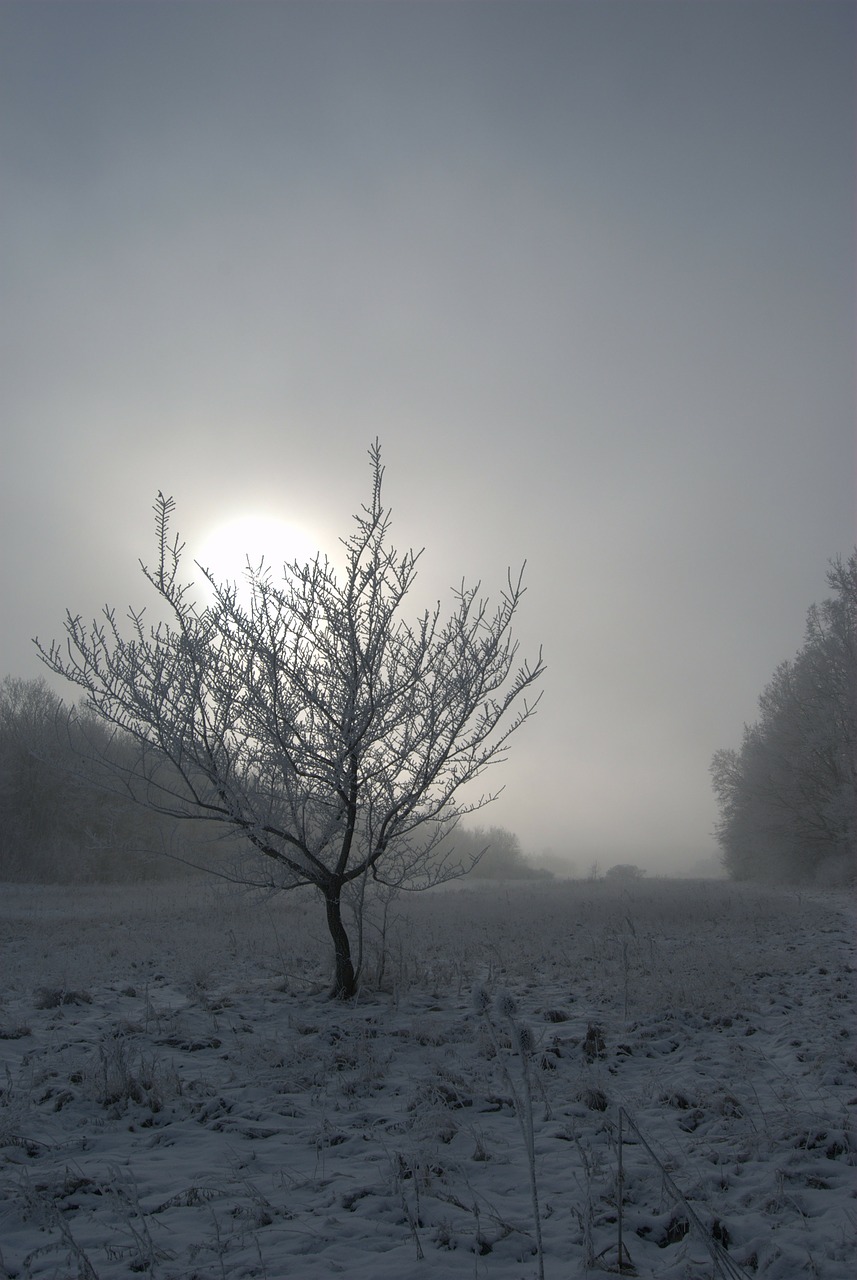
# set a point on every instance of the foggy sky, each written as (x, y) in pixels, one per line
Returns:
(586, 269)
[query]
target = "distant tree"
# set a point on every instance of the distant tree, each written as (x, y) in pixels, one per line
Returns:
(330, 734)
(56, 823)
(623, 873)
(788, 797)
(30, 797)
(495, 854)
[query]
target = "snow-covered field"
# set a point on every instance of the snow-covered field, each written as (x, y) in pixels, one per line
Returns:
(178, 1099)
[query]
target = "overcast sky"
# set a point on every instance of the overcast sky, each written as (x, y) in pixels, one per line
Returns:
(586, 269)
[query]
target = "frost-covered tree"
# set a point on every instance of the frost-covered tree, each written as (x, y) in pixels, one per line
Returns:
(314, 721)
(788, 797)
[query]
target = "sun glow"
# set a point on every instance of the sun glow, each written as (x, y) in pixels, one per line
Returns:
(226, 549)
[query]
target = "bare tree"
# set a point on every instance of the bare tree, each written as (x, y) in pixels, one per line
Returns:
(313, 721)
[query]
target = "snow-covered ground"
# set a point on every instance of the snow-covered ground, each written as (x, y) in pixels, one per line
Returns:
(179, 1099)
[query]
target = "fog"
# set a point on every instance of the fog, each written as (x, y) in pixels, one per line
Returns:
(587, 272)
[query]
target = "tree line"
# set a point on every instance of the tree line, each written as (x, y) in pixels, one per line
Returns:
(63, 821)
(63, 818)
(787, 796)
(56, 825)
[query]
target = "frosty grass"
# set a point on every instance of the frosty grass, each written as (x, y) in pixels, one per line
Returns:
(179, 1099)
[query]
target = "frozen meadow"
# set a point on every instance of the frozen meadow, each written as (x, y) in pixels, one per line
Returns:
(673, 1060)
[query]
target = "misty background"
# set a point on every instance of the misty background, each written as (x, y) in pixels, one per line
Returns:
(586, 269)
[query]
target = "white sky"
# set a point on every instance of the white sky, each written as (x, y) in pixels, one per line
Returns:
(587, 269)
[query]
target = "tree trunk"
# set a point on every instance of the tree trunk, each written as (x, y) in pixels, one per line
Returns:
(345, 981)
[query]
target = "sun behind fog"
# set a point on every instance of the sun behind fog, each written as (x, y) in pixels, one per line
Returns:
(226, 548)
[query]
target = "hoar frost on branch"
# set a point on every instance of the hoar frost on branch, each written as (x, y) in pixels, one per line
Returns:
(313, 721)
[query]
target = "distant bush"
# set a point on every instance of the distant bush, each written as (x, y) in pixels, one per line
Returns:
(624, 871)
